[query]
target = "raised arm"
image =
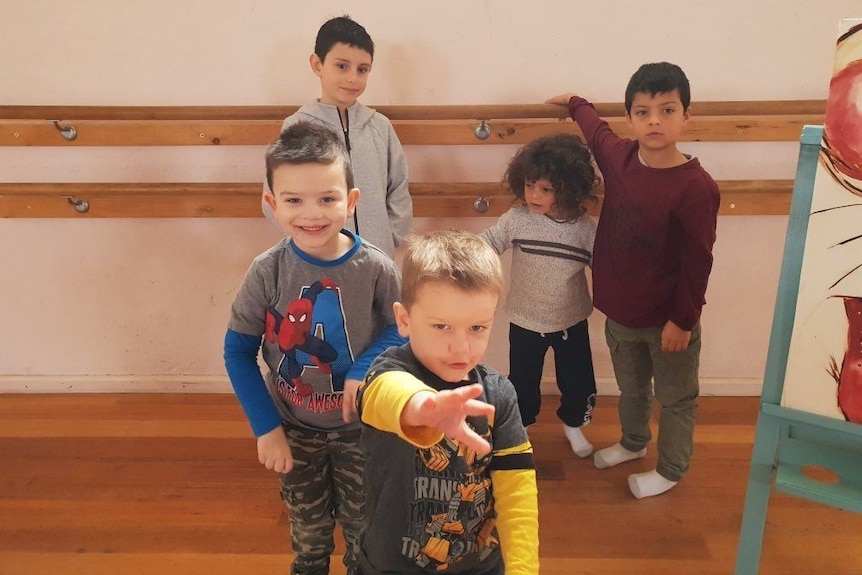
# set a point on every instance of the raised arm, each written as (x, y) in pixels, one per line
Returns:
(398, 402)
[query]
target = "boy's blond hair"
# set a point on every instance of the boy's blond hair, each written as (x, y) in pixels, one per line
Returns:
(461, 259)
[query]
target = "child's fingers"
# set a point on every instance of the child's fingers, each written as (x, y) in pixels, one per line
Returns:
(471, 405)
(284, 465)
(465, 392)
(348, 408)
(462, 401)
(348, 412)
(473, 441)
(562, 99)
(478, 408)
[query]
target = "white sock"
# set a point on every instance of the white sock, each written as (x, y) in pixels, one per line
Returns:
(649, 484)
(614, 455)
(579, 443)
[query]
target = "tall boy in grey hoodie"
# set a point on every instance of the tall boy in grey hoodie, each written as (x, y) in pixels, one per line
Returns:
(342, 58)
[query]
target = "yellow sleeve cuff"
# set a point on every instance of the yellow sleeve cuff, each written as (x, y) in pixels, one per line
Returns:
(384, 400)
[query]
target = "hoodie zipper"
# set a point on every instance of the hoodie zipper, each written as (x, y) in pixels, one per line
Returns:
(345, 128)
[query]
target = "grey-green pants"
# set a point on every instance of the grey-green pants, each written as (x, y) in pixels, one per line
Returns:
(641, 366)
(324, 485)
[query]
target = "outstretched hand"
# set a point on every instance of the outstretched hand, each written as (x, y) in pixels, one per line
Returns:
(447, 411)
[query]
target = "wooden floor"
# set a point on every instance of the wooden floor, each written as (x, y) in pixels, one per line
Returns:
(139, 484)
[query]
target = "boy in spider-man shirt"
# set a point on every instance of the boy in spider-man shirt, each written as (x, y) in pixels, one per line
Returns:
(320, 303)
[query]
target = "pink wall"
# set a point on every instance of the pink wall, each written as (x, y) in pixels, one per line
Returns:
(142, 304)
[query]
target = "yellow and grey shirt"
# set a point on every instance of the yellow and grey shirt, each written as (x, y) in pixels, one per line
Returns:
(432, 505)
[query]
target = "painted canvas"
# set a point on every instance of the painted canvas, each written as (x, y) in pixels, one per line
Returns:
(824, 366)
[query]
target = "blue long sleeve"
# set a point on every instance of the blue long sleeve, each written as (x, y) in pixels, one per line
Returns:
(240, 360)
(389, 338)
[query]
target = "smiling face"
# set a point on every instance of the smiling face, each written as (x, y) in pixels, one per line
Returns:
(311, 203)
(657, 122)
(448, 328)
(343, 74)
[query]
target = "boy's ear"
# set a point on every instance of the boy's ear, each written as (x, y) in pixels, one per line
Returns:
(316, 64)
(402, 319)
(687, 114)
(352, 199)
(269, 198)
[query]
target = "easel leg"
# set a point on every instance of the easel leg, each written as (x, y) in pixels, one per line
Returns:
(757, 495)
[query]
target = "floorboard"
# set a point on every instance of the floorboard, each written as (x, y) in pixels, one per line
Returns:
(124, 484)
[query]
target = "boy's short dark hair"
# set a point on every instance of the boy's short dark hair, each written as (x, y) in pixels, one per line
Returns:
(343, 30)
(658, 78)
(307, 143)
(562, 159)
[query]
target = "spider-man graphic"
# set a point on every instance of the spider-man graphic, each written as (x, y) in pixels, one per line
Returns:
(292, 332)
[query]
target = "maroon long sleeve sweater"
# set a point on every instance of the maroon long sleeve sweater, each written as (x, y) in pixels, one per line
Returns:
(653, 251)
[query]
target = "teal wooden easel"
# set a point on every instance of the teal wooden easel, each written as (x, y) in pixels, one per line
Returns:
(789, 440)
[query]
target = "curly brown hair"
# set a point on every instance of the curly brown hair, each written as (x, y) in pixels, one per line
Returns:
(562, 159)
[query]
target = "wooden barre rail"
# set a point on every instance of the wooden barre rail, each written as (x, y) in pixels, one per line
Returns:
(415, 125)
(222, 200)
(410, 132)
(26, 126)
(451, 112)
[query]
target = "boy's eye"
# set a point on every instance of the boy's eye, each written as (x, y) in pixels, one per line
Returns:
(327, 199)
(440, 326)
(364, 69)
(478, 328)
(292, 200)
(341, 66)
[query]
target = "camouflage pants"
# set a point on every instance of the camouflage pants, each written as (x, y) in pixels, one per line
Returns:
(324, 485)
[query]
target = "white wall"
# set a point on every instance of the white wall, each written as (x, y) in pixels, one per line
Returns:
(142, 304)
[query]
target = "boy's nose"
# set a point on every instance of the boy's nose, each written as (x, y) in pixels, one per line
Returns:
(312, 211)
(459, 344)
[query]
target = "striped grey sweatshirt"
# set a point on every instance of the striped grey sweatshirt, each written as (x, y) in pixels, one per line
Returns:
(548, 290)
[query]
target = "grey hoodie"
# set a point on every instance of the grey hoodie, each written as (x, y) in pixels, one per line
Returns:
(385, 210)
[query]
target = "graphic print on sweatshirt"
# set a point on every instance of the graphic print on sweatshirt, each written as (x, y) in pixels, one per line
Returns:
(311, 333)
(451, 516)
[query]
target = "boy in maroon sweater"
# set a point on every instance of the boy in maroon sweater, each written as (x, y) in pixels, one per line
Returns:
(651, 262)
